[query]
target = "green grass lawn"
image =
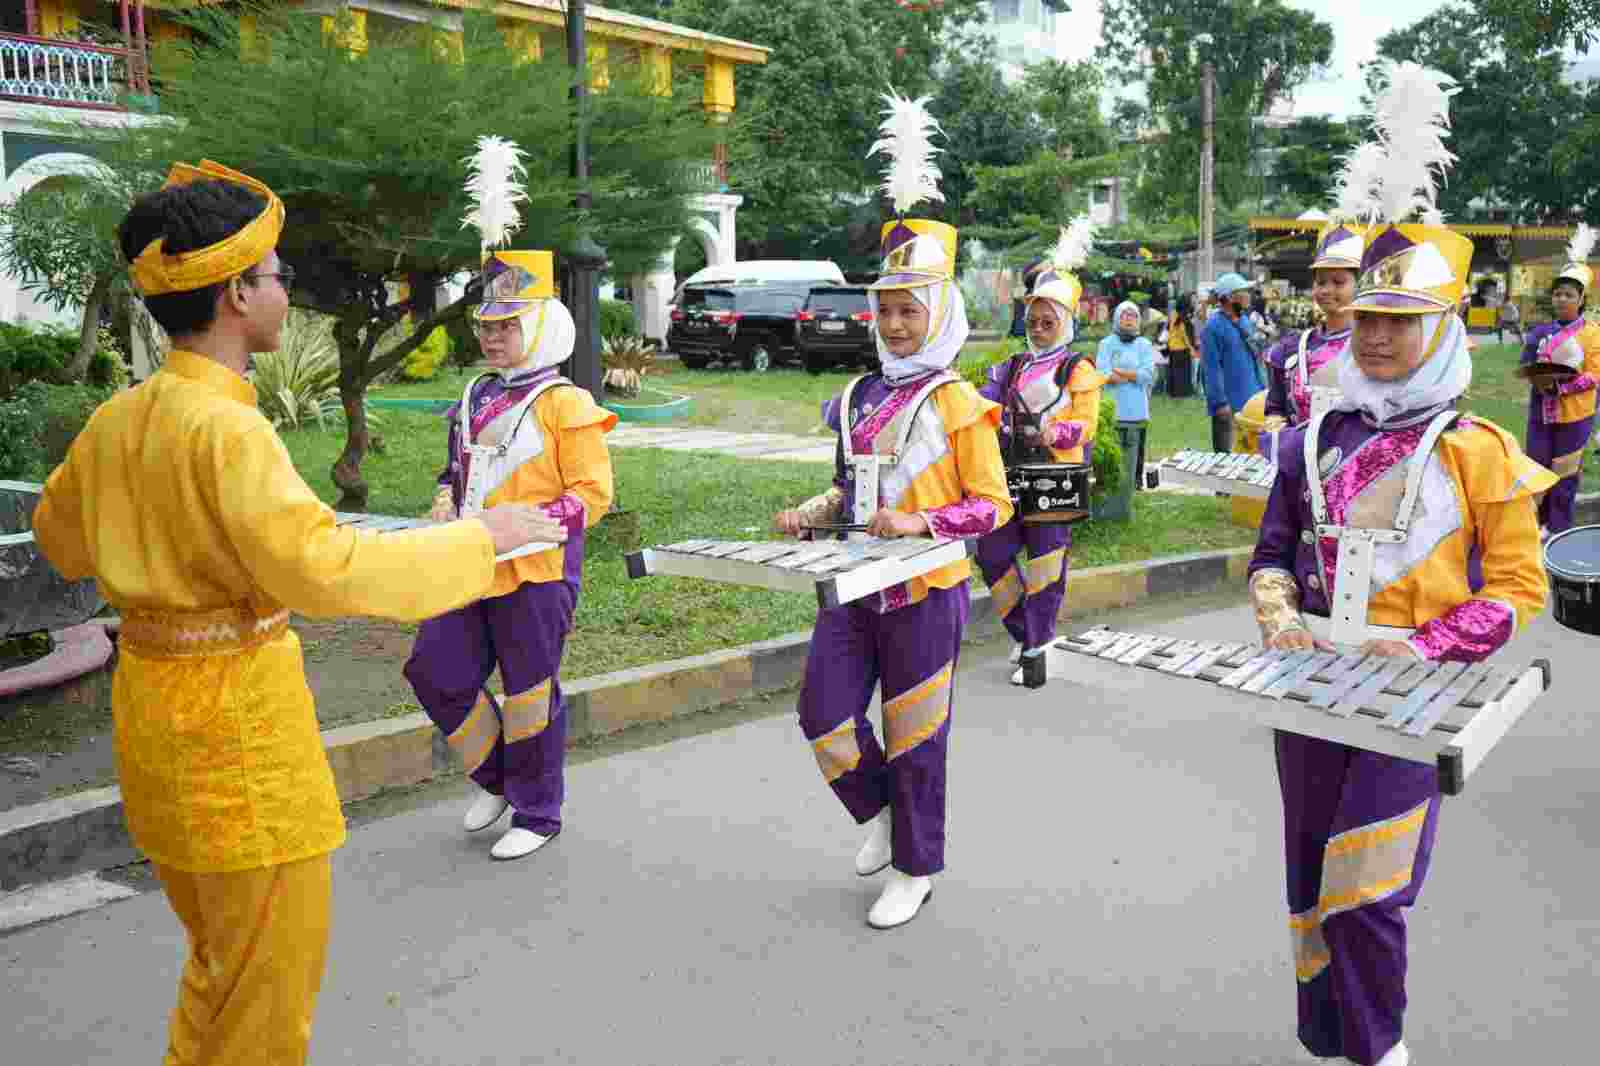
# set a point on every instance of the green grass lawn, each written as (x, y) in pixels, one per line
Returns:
(677, 496)
(782, 400)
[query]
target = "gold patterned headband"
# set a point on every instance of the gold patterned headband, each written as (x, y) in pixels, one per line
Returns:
(156, 273)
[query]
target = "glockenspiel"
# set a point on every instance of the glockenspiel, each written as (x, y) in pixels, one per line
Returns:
(1450, 715)
(838, 571)
(1233, 473)
(377, 523)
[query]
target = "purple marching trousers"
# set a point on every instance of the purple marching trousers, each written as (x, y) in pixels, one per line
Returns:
(913, 652)
(1358, 833)
(1559, 446)
(1027, 593)
(514, 748)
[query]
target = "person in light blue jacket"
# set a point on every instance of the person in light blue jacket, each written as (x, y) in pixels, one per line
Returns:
(1128, 361)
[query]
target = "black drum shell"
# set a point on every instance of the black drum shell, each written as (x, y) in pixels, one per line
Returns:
(1037, 492)
(1574, 598)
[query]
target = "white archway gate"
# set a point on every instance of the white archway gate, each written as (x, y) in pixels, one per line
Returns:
(16, 304)
(713, 224)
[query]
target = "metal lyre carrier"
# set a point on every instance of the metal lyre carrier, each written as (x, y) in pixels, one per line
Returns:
(838, 572)
(1234, 473)
(377, 523)
(1449, 715)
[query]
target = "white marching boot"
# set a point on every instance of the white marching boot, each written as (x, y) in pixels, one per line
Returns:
(1016, 654)
(1396, 1056)
(878, 848)
(517, 843)
(902, 899)
(484, 812)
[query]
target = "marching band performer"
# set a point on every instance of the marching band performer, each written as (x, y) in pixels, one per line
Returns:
(1301, 363)
(932, 438)
(1050, 409)
(1451, 574)
(521, 433)
(181, 501)
(1561, 412)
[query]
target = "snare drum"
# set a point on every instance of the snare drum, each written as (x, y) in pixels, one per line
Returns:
(1572, 559)
(1050, 493)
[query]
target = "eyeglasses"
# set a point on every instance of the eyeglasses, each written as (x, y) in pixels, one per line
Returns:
(495, 325)
(285, 276)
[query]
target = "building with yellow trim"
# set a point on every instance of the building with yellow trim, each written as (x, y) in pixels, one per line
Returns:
(50, 69)
(1522, 260)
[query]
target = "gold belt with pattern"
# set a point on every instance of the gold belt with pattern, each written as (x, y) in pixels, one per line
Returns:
(227, 629)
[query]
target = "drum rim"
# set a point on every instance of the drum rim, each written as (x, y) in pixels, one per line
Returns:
(1566, 575)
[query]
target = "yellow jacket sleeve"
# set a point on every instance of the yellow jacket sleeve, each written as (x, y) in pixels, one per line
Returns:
(286, 540)
(581, 453)
(58, 524)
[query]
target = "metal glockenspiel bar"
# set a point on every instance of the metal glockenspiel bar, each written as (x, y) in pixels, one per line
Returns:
(836, 572)
(377, 523)
(1233, 473)
(1448, 715)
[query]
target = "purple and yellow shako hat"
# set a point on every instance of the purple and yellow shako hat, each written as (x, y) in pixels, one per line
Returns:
(515, 282)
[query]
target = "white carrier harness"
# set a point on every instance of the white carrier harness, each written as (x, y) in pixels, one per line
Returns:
(1351, 590)
(867, 472)
(1323, 397)
(491, 463)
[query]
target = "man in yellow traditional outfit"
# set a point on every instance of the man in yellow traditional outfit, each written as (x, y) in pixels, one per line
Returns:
(179, 498)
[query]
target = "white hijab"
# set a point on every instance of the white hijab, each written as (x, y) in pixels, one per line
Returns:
(947, 333)
(1063, 336)
(1415, 399)
(548, 336)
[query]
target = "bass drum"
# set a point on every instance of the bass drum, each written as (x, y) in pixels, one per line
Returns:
(1572, 559)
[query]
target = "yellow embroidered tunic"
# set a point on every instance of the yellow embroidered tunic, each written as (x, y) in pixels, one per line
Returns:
(181, 500)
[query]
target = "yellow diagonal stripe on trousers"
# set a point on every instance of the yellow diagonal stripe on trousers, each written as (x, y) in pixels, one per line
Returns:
(916, 714)
(474, 738)
(837, 751)
(1044, 570)
(528, 712)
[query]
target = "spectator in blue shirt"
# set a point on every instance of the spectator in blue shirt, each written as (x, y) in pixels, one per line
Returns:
(1230, 364)
(1128, 361)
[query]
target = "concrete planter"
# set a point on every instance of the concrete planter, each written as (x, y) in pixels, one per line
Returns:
(651, 405)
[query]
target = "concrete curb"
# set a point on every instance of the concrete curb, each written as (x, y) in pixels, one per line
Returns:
(86, 831)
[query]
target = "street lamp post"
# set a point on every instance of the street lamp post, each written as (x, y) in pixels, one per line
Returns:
(585, 259)
(1208, 90)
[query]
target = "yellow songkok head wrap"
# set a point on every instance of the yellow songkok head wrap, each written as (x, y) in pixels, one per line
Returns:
(156, 273)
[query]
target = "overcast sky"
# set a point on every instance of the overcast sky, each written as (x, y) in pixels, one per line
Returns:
(1357, 25)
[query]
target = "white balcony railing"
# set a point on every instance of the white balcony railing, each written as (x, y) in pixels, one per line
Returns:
(64, 72)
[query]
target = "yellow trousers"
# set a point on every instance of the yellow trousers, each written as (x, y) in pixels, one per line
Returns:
(257, 941)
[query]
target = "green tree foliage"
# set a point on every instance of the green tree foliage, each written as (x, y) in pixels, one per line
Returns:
(1308, 156)
(1524, 138)
(1534, 25)
(1262, 49)
(58, 240)
(807, 117)
(986, 123)
(366, 149)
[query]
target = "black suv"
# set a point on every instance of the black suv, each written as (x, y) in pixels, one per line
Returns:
(835, 329)
(751, 324)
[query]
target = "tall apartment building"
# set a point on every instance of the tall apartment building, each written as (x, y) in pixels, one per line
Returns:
(1024, 31)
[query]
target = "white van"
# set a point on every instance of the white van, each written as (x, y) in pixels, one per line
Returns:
(759, 271)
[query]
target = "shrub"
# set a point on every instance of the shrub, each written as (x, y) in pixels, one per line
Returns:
(626, 360)
(300, 381)
(39, 423)
(616, 319)
(41, 353)
(426, 358)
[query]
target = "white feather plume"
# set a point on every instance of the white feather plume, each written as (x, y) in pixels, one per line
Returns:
(495, 192)
(1074, 245)
(1396, 176)
(906, 137)
(1582, 243)
(1356, 187)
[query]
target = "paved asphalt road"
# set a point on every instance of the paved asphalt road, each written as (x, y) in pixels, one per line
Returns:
(1113, 896)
